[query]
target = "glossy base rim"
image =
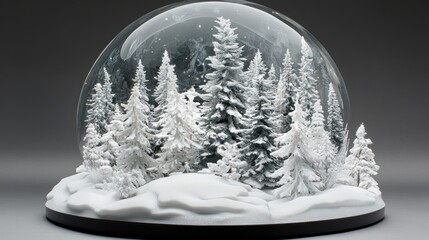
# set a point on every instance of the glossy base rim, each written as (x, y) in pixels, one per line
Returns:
(115, 228)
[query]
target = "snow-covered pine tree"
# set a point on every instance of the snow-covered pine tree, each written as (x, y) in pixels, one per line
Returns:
(125, 183)
(160, 96)
(272, 79)
(225, 101)
(308, 92)
(100, 105)
(134, 148)
(323, 150)
(271, 88)
(109, 144)
(178, 129)
(160, 93)
(335, 119)
(109, 106)
(91, 153)
(192, 106)
(256, 68)
(338, 172)
(194, 109)
(361, 164)
(95, 115)
(140, 77)
(286, 91)
(118, 110)
(230, 166)
(297, 176)
(258, 137)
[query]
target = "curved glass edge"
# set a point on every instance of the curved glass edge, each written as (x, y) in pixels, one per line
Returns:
(117, 41)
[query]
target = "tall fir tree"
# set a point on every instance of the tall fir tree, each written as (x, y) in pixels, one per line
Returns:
(160, 93)
(134, 148)
(256, 68)
(361, 164)
(160, 96)
(335, 119)
(258, 136)
(272, 80)
(108, 96)
(95, 115)
(178, 128)
(271, 89)
(100, 106)
(307, 82)
(225, 102)
(140, 77)
(286, 92)
(322, 149)
(298, 177)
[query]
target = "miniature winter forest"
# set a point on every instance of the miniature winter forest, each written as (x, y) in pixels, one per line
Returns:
(261, 126)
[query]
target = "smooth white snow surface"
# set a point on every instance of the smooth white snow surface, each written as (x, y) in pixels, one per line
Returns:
(202, 199)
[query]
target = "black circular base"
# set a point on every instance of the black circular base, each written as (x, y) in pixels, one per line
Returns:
(168, 231)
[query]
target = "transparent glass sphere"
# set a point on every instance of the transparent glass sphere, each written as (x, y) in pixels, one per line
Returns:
(187, 31)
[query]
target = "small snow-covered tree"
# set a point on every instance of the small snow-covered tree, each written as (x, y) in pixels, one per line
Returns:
(178, 128)
(192, 106)
(335, 119)
(134, 148)
(100, 105)
(297, 175)
(323, 150)
(194, 109)
(258, 137)
(109, 144)
(286, 91)
(360, 163)
(91, 153)
(308, 92)
(160, 93)
(225, 101)
(125, 183)
(230, 166)
(338, 172)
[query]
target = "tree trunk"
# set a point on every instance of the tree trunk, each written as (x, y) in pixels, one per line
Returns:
(358, 179)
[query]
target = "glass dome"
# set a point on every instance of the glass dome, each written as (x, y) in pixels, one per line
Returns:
(186, 31)
(213, 117)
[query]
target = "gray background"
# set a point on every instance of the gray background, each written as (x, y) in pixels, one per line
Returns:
(47, 48)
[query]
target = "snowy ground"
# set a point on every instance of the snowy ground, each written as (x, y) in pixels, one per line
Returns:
(206, 199)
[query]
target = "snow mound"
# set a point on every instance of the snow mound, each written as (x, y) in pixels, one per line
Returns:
(201, 199)
(338, 197)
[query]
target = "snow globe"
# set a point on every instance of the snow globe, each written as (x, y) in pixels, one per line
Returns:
(212, 118)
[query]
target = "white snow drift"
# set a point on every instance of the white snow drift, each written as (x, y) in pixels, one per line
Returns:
(206, 199)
